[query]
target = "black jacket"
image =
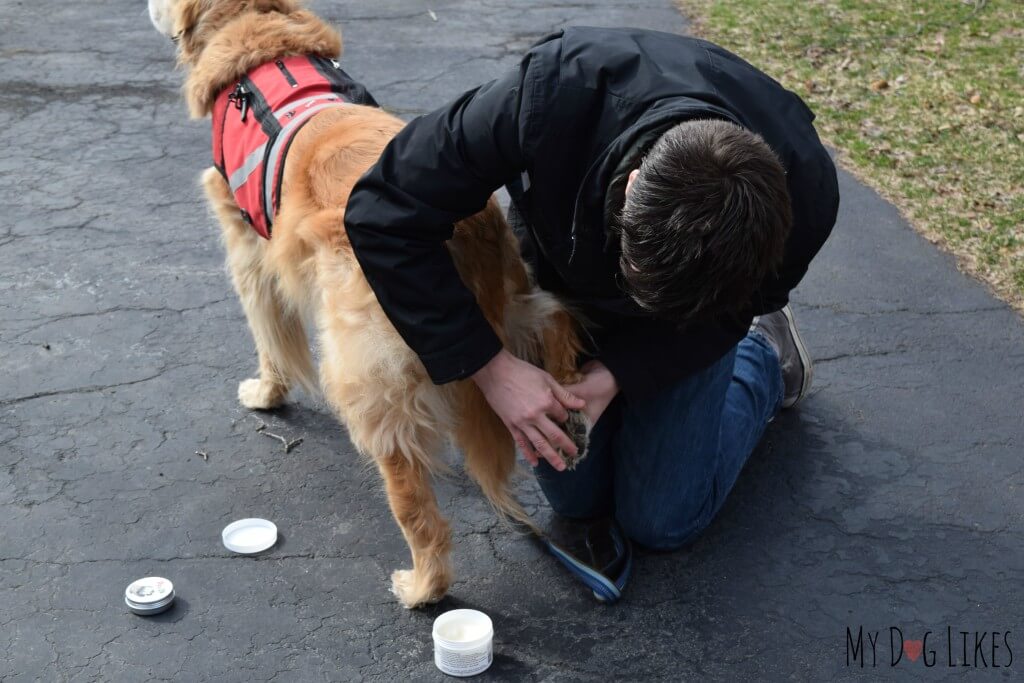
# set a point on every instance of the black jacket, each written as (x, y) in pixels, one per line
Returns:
(561, 132)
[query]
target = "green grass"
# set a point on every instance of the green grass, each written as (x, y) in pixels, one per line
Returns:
(925, 99)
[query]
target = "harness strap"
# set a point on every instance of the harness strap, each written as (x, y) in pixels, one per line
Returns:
(260, 109)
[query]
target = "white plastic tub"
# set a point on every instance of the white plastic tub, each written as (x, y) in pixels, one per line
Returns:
(463, 642)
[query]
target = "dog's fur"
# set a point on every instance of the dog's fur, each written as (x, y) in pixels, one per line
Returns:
(307, 272)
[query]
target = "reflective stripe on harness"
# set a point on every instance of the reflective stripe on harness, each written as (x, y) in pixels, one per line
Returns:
(251, 163)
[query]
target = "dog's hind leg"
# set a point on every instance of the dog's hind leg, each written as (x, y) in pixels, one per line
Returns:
(562, 347)
(561, 353)
(412, 501)
(394, 426)
(402, 447)
(281, 344)
(394, 414)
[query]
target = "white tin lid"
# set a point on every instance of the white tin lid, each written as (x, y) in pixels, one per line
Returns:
(248, 536)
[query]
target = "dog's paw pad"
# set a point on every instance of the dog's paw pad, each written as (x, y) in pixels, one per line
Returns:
(578, 429)
(256, 394)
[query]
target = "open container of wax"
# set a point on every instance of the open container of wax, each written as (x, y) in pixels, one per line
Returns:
(463, 642)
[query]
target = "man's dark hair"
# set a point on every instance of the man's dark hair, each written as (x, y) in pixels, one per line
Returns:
(704, 222)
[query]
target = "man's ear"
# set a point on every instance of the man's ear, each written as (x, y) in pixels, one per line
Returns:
(631, 179)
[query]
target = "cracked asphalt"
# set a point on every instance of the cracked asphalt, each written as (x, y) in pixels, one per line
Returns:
(892, 497)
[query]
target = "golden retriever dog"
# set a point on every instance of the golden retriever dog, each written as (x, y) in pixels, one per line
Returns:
(307, 273)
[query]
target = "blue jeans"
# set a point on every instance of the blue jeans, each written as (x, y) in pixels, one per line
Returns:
(664, 465)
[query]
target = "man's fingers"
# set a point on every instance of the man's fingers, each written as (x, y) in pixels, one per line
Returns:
(557, 411)
(557, 437)
(567, 398)
(525, 447)
(543, 448)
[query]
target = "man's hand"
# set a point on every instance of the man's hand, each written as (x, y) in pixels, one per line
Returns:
(598, 387)
(531, 404)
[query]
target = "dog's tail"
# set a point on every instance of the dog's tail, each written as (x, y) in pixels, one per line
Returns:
(490, 454)
(507, 507)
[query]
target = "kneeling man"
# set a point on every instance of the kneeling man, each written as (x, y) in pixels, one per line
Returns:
(673, 195)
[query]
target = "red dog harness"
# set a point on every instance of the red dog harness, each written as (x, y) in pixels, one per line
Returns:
(256, 119)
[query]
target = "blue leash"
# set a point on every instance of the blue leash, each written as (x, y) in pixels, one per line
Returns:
(606, 584)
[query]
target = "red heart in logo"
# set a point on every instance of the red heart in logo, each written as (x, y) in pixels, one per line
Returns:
(913, 649)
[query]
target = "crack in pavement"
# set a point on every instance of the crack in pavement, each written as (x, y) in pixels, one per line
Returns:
(79, 390)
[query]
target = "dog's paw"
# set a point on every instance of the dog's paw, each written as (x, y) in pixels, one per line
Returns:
(413, 593)
(257, 394)
(578, 429)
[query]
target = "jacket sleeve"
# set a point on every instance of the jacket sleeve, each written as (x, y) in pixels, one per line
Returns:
(652, 355)
(438, 170)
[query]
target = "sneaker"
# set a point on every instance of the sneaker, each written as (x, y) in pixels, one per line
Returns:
(779, 330)
(589, 540)
(596, 552)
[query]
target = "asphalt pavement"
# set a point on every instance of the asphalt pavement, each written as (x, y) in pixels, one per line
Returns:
(890, 498)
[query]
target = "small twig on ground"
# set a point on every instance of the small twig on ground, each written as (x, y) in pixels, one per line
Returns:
(288, 445)
(204, 455)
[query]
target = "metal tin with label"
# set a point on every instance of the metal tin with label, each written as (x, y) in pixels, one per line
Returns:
(150, 595)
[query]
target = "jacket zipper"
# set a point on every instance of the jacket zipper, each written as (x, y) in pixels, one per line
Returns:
(287, 74)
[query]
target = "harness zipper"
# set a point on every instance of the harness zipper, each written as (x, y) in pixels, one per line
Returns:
(287, 74)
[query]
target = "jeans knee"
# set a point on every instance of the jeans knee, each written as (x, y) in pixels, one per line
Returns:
(573, 499)
(577, 509)
(664, 529)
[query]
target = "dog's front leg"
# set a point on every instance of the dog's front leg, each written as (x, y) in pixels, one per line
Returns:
(281, 343)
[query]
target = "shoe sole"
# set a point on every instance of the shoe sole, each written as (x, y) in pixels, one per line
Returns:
(805, 359)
